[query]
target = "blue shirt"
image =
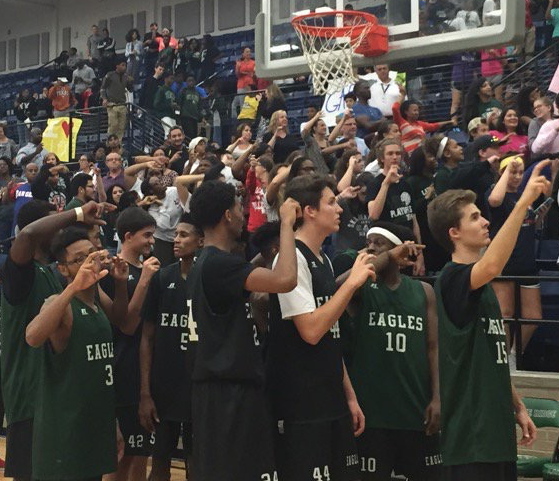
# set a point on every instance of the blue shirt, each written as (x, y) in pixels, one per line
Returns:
(372, 113)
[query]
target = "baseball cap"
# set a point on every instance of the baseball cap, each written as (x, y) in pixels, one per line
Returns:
(195, 141)
(484, 142)
(63, 79)
(474, 123)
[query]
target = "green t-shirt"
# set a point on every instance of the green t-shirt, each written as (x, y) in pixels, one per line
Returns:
(485, 107)
(442, 179)
(74, 203)
(74, 431)
(24, 291)
(163, 102)
(390, 369)
(477, 415)
(189, 101)
(555, 22)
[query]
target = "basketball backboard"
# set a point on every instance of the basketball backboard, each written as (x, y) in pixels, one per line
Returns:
(417, 28)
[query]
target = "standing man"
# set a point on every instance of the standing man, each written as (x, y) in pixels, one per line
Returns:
(135, 228)
(113, 93)
(314, 406)
(82, 79)
(93, 41)
(232, 428)
(368, 118)
(167, 355)
(151, 84)
(76, 394)
(394, 364)
(190, 108)
(478, 402)
(62, 98)
(165, 103)
(26, 282)
(385, 91)
(151, 47)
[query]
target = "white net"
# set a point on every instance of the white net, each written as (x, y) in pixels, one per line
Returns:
(328, 41)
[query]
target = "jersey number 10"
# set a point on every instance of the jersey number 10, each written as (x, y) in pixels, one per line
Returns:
(399, 344)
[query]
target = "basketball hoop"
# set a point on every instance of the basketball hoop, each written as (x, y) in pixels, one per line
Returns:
(329, 41)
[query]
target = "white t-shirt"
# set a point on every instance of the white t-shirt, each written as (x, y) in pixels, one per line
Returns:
(374, 168)
(383, 96)
(471, 18)
(488, 7)
(301, 299)
(168, 214)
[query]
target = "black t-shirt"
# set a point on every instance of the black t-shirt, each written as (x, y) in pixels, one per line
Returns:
(398, 207)
(175, 343)
(459, 300)
(153, 46)
(523, 258)
(305, 381)
(354, 224)
(228, 344)
(126, 348)
(282, 147)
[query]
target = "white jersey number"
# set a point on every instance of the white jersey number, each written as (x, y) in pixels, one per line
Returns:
(400, 343)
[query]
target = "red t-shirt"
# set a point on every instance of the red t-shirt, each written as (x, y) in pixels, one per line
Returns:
(245, 73)
(256, 208)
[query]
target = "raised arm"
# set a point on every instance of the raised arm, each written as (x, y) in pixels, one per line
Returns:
(497, 254)
(345, 181)
(307, 129)
(336, 131)
(117, 309)
(283, 277)
(376, 205)
(274, 187)
(499, 191)
(433, 411)
(182, 182)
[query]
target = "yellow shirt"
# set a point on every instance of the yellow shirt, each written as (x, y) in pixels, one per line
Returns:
(249, 108)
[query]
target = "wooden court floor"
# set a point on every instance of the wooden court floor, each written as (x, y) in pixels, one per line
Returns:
(177, 471)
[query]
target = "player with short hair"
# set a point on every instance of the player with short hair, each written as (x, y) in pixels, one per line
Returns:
(232, 428)
(26, 283)
(75, 430)
(313, 402)
(394, 363)
(167, 355)
(135, 228)
(478, 402)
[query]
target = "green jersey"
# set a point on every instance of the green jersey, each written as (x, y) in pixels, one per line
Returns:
(390, 369)
(74, 434)
(24, 291)
(477, 416)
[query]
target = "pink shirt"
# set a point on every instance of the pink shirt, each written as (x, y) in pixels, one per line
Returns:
(490, 66)
(515, 143)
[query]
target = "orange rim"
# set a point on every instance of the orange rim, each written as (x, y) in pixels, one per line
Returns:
(331, 32)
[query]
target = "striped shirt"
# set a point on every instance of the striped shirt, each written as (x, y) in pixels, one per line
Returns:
(412, 132)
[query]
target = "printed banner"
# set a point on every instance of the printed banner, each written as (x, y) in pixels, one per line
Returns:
(56, 136)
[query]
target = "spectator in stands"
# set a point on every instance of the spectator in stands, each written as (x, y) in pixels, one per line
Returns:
(488, 16)
(86, 165)
(6, 171)
(107, 49)
(8, 147)
(172, 40)
(349, 100)
(245, 72)
(510, 129)
(242, 141)
(150, 87)
(165, 103)
(82, 190)
(477, 127)
(23, 192)
(552, 16)
(82, 79)
(172, 203)
(501, 200)
(448, 154)
(133, 53)
(196, 154)
(547, 140)
(525, 102)
(181, 57)
(413, 130)
(492, 68)
(116, 172)
(348, 129)
(32, 151)
(177, 151)
(113, 93)
(469, 14)
(347, 168)
(93, 41)
(25, 109)
(463, 68)
(62, 98)
(256, 183)
(272, 101)
(73, 58)
(209, 54)
(389, 197)
(250, 108)
(384, 91)
(190, 104)
(279, 138)
(367, 117)
(47, 186)
(543, 110)
(44, 105)
(479, 101)
(194, 58)
(354, 220)
(219, 113)
(166, 55)
(386, 130)
(151, 48)
(317, 146)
